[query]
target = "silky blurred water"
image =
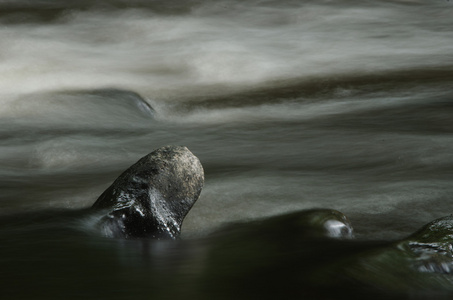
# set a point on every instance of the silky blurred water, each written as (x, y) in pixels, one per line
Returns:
(289, 105)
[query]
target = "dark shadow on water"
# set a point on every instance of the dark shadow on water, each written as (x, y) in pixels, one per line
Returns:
(56, 254)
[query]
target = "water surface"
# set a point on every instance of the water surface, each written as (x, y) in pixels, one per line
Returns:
(289, 106)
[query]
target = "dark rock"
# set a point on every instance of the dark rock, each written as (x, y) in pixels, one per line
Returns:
(305, 225)
(325, 223)
(152, 197)
(432, 246)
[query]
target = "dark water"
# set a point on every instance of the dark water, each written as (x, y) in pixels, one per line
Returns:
(289, 105)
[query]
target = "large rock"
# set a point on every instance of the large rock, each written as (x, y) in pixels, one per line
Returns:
(152, 197)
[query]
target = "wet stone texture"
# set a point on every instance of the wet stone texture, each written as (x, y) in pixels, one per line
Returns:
(152, 197)
(432, 246)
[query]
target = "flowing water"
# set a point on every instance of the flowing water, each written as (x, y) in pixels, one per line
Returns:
(289, 105)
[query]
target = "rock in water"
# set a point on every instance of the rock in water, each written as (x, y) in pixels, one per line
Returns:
(306, 225)
(152, 197)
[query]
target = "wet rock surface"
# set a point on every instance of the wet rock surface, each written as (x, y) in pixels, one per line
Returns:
(432, 247)
(312, 224)
(152, 197)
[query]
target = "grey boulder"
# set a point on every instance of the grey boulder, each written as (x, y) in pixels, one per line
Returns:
(152, 197)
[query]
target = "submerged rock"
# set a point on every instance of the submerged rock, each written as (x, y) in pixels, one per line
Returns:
(88, 106)
(306, 225)
(325, 223)
(126, 99)
(152, 197)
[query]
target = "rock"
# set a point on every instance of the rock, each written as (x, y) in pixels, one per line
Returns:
(305, 225)
(432, 246)
(314, 224)
(152, 197)
(325, 223)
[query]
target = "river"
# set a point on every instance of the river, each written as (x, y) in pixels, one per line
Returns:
(289, 105)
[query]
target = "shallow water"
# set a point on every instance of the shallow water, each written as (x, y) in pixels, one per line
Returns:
(288, 105)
